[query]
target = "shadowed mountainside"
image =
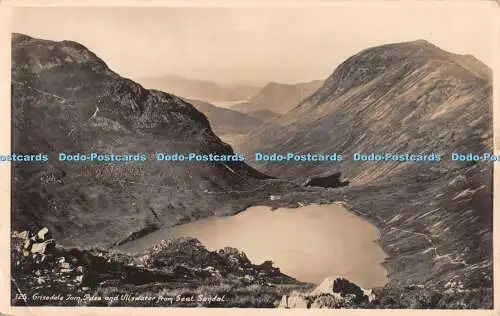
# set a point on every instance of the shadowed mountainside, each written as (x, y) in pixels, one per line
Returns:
(225, 121)
(65, 99)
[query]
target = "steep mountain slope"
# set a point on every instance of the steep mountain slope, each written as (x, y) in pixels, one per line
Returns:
(407, 97)
(435, 217)
(225, 121)
(65, 99)
(278, 97)
(200, 89)
(263, 115)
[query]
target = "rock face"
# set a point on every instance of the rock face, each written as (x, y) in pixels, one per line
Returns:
(331, 181)
(278, 97)
(36, 246)
(65, 99)
(435, 218)
(225, 121)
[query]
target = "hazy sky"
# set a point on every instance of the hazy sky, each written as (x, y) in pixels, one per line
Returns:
(257, 44)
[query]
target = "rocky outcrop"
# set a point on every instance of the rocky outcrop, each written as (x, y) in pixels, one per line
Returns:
(333, 292)
(37, 246)
(228, 262)
(330, 181)
(37, 264)
(185, 267)
(184, 263)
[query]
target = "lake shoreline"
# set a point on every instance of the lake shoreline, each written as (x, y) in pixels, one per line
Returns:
(321, 217)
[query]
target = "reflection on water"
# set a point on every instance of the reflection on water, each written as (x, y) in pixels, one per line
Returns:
(308, 243)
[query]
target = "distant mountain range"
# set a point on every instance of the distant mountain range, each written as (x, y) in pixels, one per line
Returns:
(263, 103)
(278, 97)
(226, 121)
(199, 89)
(243, 118)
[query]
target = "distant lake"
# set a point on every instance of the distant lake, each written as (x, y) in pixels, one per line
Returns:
(308, 243)
(233, 139)
(225, 104)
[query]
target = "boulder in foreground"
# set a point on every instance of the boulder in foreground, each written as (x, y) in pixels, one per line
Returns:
(333, 292)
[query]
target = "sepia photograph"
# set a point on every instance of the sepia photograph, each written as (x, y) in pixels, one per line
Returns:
(257, 155)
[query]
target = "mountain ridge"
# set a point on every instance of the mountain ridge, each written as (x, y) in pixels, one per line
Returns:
(199, 89)
(415, 47)
(66, 99)
(435, 218)
(278, 97)
(379, 84)
(226, 121)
